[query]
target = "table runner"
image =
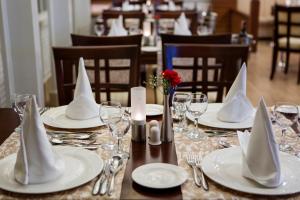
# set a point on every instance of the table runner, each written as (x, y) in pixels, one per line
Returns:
(190, 191)
(11, 145)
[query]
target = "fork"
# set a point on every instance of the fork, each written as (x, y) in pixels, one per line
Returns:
(191, 160)
(203, 179)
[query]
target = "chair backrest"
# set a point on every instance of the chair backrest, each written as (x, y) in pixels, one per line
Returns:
(181, 39)
(287, 23)
(88, 40)
(191, 15)
(208, 68)
(113, 14)
(102, 63)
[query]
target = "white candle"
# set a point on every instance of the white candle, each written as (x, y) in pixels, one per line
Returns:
(147, 28)
(138, 104)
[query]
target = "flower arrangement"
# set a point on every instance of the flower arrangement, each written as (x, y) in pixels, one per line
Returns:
(168, 79)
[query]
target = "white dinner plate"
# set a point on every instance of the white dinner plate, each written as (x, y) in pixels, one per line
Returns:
(225, 167)
(154, 109)
(81, 167)
(159, 175)
(56, 117)
(209, 118)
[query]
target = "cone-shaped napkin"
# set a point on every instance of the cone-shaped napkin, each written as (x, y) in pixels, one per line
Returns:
(260, 151)
(83, 105)
(181, 26)
(117, 28)
(126, 6)
(237, 107)
(171, 5)
(36, 161)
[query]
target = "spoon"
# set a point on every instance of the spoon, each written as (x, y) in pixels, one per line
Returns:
(224, 144)
(115, 167)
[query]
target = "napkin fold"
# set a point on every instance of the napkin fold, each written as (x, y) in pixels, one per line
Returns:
(83, 105)
(36, 161)
(260, 155)
(126, 6)
(171, 5)
(181, 26)
(236, 106)
(117, 28)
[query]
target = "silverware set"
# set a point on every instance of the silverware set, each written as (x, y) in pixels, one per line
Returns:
(220, 133)
(105, 183)
(199, 178)
(86, 140)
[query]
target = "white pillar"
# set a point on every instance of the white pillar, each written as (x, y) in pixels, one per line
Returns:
(21, 47)
(60, 26)
(82, 16)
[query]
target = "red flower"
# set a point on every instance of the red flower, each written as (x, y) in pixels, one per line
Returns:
(172, 76)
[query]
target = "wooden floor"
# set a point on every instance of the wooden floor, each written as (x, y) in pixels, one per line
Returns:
(282, 88)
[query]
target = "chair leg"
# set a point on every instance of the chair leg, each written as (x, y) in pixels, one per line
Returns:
(287, 62)
(274, 63)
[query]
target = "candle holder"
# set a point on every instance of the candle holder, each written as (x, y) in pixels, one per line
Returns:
(138, 114)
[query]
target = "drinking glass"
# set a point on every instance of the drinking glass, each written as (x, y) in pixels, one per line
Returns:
(99, 29)
(196, 108)
(286, 115)
(108, 112)
(18, 104)
(122, 127)
(179, 102)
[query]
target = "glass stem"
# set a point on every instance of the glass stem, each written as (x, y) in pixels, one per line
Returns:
(196, 124)
(119, 145)
(283, 134)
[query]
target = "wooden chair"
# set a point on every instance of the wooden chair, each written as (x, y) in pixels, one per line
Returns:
(191, 15)
(181, 39)
(286, 34)
(229, 60)
(100, 64)
(86, 40)
(113, 14)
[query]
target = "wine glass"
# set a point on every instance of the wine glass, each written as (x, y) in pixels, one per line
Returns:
(179, 102)
(99, 29)
(196, 108)
(18, 104)
(286, 115)
(108, 110)
(123, 124)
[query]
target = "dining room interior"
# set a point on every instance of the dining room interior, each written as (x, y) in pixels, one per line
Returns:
(149, 99)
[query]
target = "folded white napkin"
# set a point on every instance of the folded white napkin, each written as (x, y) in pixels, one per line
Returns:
(181, 26)
(171, 5)
(126, 6)
(236, 106)
(260, 151)
(83, 105)
(117, 28)
(36, 161)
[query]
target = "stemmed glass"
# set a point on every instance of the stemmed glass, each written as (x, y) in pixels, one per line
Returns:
(196, 108)
(286, 115)
(108, 111)
(122, 123)
(99, 29)
(179, 102)
(18, 104)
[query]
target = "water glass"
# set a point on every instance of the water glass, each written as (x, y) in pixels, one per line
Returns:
(180, 102)
(18, 104)
(196, 107)
(109, 113)
(286, 114)
(122, 124)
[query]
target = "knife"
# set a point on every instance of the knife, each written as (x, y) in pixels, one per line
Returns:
(96, 188)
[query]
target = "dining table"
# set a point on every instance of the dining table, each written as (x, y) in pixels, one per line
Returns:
(140, 153)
